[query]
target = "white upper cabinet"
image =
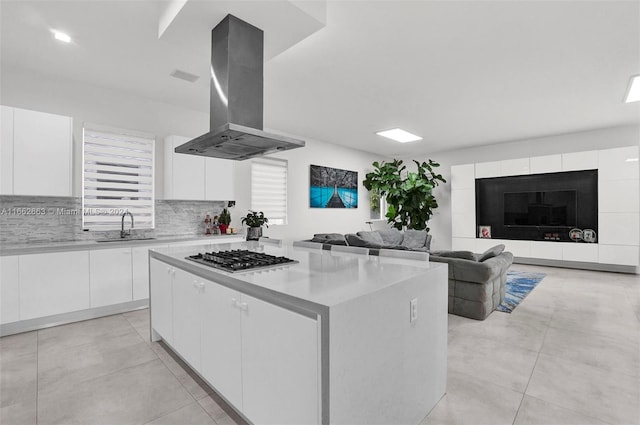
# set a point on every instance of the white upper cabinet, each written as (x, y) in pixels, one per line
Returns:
(184, 174)
(219, 179)
(6, 150)
(193, 177)
(42, 152)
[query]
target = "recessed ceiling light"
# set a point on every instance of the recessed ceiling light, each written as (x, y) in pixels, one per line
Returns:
(633, 91)
(632, 159)
(61, 36)
(399, 135)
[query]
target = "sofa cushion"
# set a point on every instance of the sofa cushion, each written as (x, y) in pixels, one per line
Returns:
(371, 237)
(491, 252)
(391, 236)
(414, 239)
(329, 238)
(464, 255)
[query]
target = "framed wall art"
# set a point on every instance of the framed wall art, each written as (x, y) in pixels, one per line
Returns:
(332, 187)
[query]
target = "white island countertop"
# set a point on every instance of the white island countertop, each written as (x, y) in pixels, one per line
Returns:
(321, 277)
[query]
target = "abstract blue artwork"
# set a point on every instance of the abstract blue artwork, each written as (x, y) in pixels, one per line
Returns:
(332, 188)
(518, 286)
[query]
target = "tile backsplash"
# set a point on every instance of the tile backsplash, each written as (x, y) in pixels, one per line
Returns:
(25, 219)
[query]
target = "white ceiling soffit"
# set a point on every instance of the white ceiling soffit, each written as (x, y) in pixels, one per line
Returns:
(285, 23)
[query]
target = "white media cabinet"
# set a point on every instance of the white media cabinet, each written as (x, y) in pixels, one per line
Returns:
(618, 246)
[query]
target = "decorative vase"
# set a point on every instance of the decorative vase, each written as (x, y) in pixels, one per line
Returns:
(254, 233)
(223, 228)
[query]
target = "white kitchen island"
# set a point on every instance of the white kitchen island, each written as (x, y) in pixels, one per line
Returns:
(328, 340)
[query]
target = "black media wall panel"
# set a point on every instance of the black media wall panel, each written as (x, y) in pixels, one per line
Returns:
(577, 189)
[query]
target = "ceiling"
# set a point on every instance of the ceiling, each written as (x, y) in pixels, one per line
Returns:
(457, 73)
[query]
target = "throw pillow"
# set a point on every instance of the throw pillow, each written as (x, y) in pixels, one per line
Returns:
(371, 237)
(327, 237)
(491, 252)
(391, 236)
(414, 238)
(464, 255)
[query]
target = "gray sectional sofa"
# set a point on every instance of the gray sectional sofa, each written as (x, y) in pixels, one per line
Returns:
(476, 281)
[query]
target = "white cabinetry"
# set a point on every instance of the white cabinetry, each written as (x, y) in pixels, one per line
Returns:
(193, 177)
(53, 283)
(618, 206)
(40, 151)
(184, 174)
(161, 282)
(221, 345)
(110, 276)
(241, 345)
(6, 150)
(279, 346)
(9, 289)
(186, 316)
(140, 270)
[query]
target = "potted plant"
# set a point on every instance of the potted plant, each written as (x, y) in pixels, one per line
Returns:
(255, 221)
(408, 194)
(224, 220)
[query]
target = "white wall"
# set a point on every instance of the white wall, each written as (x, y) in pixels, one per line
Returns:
(606, 138)
(105, 106)
(304, 221)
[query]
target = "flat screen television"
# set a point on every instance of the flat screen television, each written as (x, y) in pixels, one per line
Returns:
(553, 208)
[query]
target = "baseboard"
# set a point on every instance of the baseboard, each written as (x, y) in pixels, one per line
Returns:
(616, 268)
(75, 316)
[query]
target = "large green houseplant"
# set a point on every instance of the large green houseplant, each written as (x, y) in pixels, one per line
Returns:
(409, 194)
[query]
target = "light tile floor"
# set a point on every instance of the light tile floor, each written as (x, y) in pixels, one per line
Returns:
(569, 354)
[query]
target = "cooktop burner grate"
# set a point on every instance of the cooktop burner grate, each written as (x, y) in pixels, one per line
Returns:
(240, 260)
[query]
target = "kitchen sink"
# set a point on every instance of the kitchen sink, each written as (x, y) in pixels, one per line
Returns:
(124, 239)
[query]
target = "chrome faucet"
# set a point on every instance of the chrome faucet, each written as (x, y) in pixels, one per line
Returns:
(124, 234)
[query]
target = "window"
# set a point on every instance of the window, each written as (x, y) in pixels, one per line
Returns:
(117, 176)
(269, 188)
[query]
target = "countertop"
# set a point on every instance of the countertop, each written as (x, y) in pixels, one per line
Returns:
(323, 278)
(38, 248)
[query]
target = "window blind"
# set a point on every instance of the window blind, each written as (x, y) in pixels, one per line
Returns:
(269, 188)
(117, 177)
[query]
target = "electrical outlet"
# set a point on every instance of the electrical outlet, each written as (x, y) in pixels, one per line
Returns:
(413, 310)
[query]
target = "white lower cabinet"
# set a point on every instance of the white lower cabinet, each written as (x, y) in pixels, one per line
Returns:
(161, 283)
(280, 358)
(9, 289)
(110, 276)
(140, 270)
(53, 283)
(262, 358)
(221, 345)
(186, 316)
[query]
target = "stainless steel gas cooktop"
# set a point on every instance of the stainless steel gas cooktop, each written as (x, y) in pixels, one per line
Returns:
(239, 260)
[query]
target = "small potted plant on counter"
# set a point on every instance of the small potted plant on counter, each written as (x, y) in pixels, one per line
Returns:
(255, 221)
(224, 220)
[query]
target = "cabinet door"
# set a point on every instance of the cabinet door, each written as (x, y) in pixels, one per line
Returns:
(160, 282)
(53, 283)
(221, 341)
(9, 289)
(140, 270)
(41, 154)
(185, 173)
(186, 316)
(110, 276)
(280, 365)
(219, 179)
(6, 150)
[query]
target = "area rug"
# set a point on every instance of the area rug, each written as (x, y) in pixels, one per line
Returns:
(519, 284)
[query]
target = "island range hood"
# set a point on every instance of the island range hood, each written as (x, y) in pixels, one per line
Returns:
(237, 62)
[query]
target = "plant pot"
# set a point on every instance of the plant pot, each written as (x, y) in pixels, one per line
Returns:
(223, 228)
(254, 233)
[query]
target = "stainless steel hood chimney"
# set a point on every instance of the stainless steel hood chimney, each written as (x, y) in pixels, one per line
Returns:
(237, 63)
